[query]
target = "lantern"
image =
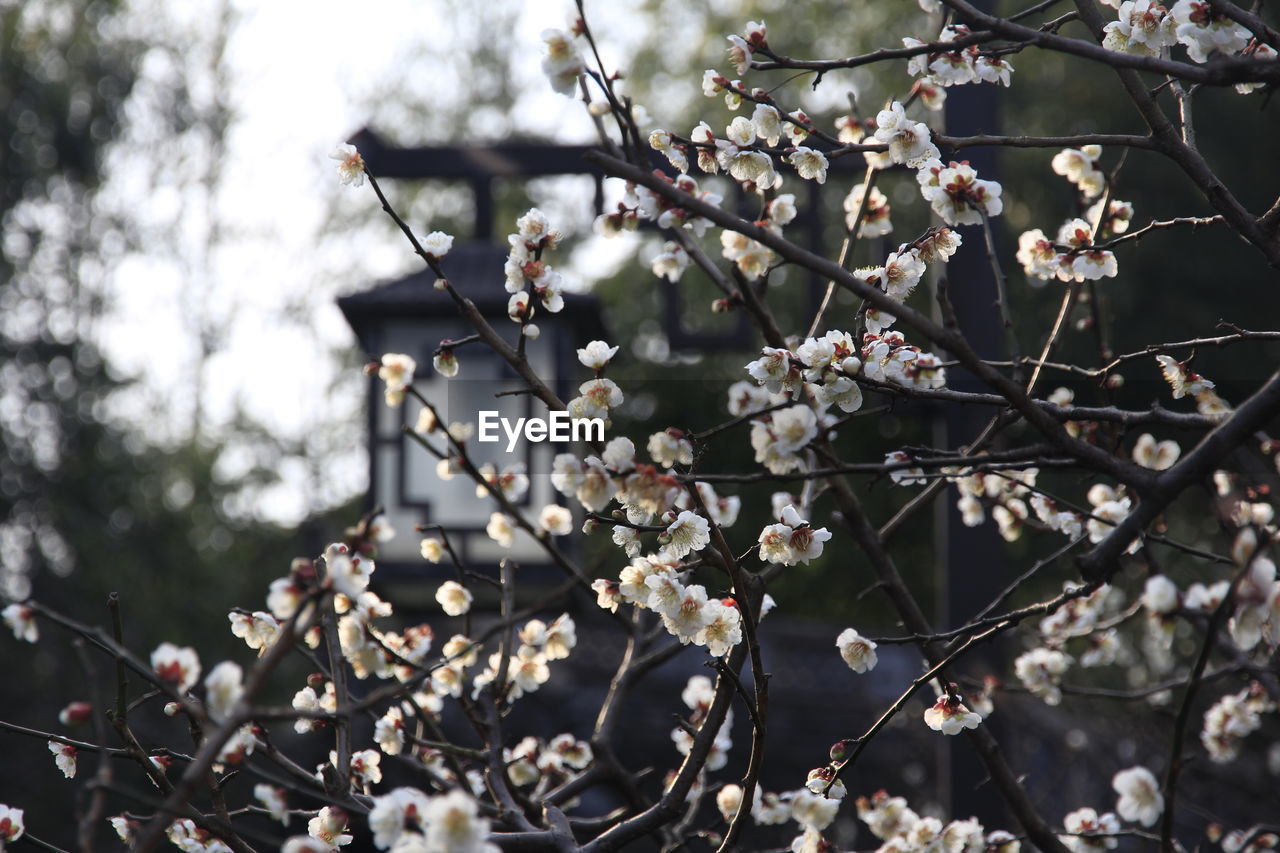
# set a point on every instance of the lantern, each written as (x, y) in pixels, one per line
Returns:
(411, 316)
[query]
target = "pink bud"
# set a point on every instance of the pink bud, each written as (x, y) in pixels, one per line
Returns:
(302, 570)
(75, 714)
(841, 751)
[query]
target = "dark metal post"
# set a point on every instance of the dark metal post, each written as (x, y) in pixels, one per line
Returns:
(971, 561)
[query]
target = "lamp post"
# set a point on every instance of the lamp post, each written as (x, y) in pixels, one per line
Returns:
(410, 316)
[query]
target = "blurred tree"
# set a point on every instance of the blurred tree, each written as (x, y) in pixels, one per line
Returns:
(82, 495)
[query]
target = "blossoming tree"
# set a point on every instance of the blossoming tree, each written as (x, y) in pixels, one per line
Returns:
(692, 582)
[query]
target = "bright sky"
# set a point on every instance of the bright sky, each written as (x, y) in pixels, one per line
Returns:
(301, 77)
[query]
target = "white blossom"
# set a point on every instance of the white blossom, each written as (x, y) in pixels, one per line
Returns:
(689, 532)
(454, 598)
(21, 619)
(397, 372)
(809, 164)
(1040, 671)
(224, 685)
(858, 652)
(556, 520)
(1140, 799)
(950, 717)
(596, 355)
(350, 164)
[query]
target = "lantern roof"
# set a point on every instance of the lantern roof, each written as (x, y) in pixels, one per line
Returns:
(476, 270)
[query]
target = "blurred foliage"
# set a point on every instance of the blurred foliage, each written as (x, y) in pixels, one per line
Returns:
(87, 506)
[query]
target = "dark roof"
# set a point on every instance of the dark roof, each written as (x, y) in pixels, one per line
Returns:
(475, 269)
(510, 159)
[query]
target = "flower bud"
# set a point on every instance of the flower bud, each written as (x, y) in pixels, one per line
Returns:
(589, 526)
(171, 709)
(75, 714)
(841, 751)
(619, 515)
(316, 681)
(851, 365)
(532, 332)
(1114, 381)
(302, 570)
(371, 368)
(668, 517)
(664, 539)
(442, 284)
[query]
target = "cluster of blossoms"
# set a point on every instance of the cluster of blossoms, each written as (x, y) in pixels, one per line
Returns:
(1074, 254)
(791, 540)
(512, 482)
(657, 583)
(563, 63)
(643, 491)
(1087, 618)
(525, 266)
(953, 190)
(404, 819)
(790, 401)
(1009, 494)
(957, 194)
(1233, 718)
(1147, 28)
(1080, 167)
(1090, 832)
(642, 204)
(698, 694)
(821, 373)
(1040, 671)
(939, 69)
(532, 761)
(527, 669)
(1110, 507)
(888, 358)
(901, 830)
(744, 149)
(1138, 800)
(875, 212)
(407, 819)
(598, 396)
